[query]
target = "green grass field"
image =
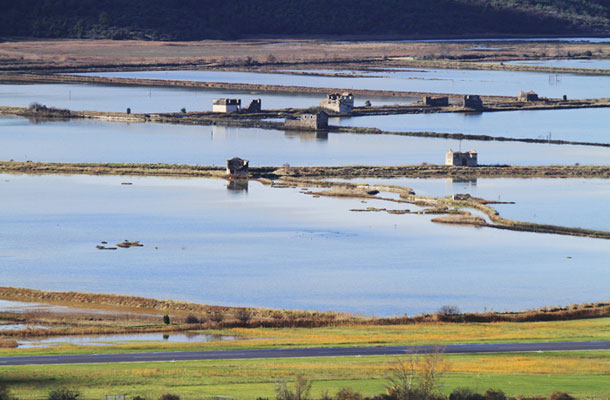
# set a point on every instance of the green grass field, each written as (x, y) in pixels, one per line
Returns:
(584, 374)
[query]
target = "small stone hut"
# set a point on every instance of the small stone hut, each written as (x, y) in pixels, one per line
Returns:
(528, 96)
(255, 106)
(316, 121)
(473, 101)
(339, 102)
(226, 105)
(436, 101)
(465, 159)
(237, 167)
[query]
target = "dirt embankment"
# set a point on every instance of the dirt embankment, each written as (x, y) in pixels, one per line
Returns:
(277, 172)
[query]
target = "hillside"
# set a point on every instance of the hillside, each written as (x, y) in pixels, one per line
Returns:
(221, 19)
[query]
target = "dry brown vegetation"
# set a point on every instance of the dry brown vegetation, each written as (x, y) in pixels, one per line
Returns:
(151, 54)
(126, 314)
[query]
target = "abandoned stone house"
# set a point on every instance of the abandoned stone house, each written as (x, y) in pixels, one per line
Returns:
(255, 106)
(226, 105)
(237, 167)
(339, 102)
(528, 96)
(436, 101)
(465, 159)
(473, 101)
(308, 121)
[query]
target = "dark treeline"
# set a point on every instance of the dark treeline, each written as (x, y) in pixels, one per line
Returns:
(222, 19)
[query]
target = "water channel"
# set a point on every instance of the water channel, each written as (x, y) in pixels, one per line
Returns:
(93, 141)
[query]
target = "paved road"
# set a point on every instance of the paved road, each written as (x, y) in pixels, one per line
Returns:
(310, 352)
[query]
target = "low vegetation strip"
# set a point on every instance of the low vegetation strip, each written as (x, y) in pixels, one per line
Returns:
(271, 172)
(220, 317)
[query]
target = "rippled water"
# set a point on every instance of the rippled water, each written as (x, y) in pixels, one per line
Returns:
(267, 247)
(91, 141)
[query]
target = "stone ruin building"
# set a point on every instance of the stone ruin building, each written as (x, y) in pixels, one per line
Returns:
(465, 159)
(226, 105)
(255, 106)
(339, 102)
(308, 121)
(473, 101)
(237, 167)
(234, 105)
(528, 96)
(436, 101)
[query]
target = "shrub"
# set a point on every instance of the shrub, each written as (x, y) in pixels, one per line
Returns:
(191, 319)
(128, 111)
(302, 387)
(465, 394)
(138, 397)
(494, 394)
(169, 396)
(449, 310)
(348, 394)
(183, 110)
(561, 396)
(216, 316)
(243, 316)
(166, 319)
(5, 393)
(64, 394)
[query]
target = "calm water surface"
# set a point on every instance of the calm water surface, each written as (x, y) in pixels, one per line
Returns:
(459, 81)
(582, 125)
(580, 203)
(268, 247)
(91, 141)
(572, 63)
(151, 99)
(108, 340)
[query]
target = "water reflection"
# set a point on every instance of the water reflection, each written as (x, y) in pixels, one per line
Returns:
(307, 135)
(237, 185)
(94, 141)
(108, 340)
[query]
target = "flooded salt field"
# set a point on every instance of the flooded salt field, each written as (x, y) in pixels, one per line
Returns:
(92, 141)
(578, 203)
(109, 340)
(151, 99)
(266, 247)
(459, 81)
(571, 63)
(581, 125)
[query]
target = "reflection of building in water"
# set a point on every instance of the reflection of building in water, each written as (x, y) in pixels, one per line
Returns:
(219, 132)
(466, 182)
(238, 185)
(307, 135)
